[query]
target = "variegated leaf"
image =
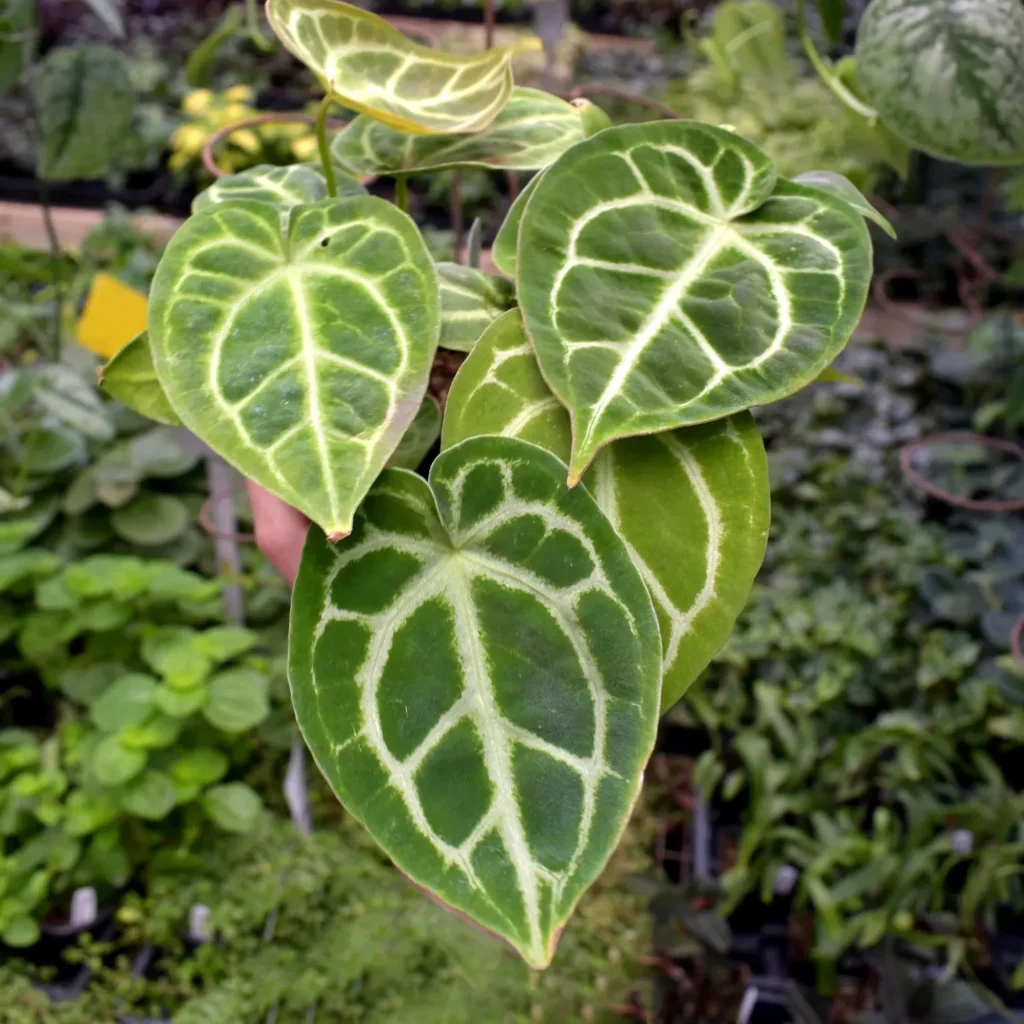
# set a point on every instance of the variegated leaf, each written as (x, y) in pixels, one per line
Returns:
(470, 301)
(692, 505)
(503, 252)
(668, 278)
(532, 130)
(131, 378)
(844, 189)
(947, 76)
(298, 343)
(281, 186)
(371, 67)
(476, 672)
(419, 438)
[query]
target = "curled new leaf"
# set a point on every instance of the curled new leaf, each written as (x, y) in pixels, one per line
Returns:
(692, 505)
(298, 343)
(371, 67)
(131, 378)
(947, 75)
(476, 671)
(532, 130)
(668, 278)
(281, 186)
(470, 301)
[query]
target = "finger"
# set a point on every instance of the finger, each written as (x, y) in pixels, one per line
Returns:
(280, 530)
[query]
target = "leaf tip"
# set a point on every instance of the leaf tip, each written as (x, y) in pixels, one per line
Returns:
(335, 535)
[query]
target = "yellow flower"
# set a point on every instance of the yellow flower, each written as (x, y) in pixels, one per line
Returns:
(197, 101)
(188, 138)
(304, 149)
(239, 94)
(246, 140)
(236, 112)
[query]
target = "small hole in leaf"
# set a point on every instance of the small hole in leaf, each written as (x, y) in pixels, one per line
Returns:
(324, 241)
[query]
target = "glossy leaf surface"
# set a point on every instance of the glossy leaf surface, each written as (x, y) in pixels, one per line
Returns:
(298, 344)
(503, 252)
(424, 430)
(470, 302)
(692, 505)
(532, 130)
(947, 76)
(668, 278)
(131, 378)
(371, 67)
(476, 671)
(281, 186)
(844, 189)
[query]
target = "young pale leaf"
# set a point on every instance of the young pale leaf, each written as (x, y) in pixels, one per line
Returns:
(843, 188)
(470, 301)
(476, 671)
(298, 344)
(947, 75)
(668, 278)
(532, 130)
(284, 187)
(371, 67)
(131, 378)
(692, 505)
(85, 99)
(503, 252)
(420, 437)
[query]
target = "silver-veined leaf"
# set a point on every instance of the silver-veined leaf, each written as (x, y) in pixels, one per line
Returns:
(470, 301)
(298, 343)
(844, 189)
(131, 378)
(532, 130)
(476, 671)
(692, 505)
(281, 186)
(503, 252)
(424, 430)
(372, 68)
(667, 278)
(947, 76)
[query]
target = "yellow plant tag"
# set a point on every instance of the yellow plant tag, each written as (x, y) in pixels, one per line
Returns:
(113, 315)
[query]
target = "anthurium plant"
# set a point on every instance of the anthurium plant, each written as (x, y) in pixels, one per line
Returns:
(478, 659)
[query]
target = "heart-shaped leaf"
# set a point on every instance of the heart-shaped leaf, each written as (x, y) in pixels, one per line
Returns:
(280, 186)
(470, 302)
(371, 67)
(298, 343)
(947, 75)
(501, 775)
(503, 252)
(667, 278)
(420, 437)
(131, 378)
(710, 482)
(532, 130)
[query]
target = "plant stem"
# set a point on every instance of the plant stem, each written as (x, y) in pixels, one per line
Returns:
(252, 24)
(322, 145)
(58, 290)
(402, 192)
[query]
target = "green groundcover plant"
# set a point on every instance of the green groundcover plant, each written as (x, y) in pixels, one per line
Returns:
(478, 660)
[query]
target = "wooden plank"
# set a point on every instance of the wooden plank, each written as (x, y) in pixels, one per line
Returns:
(23, 223)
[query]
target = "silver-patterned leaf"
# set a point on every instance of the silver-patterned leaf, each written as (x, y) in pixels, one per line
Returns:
(692, 505)
(503, 252)
(470, 302)
(298, 343)
(668, 278)
(947, 76)
(281, 186)
(532, 130)
(844, 189)
(476, 671)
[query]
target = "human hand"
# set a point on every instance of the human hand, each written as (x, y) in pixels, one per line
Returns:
(280, 530)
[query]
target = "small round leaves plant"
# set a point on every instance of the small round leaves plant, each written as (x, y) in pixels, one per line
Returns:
(478, 658)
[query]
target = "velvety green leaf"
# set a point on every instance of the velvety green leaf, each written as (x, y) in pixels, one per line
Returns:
(151, 796)
(222, 643)
(684, 282)
(709, 481)
(237, 700)
(130, 378)
(298, 345)
(64, 394)
(283, 187)
(503, 252)
(180, 703)
(420, 437)
(371, 67)
(470, 301)
(17, 529)
(156, 733)
(532, 130)
(172, 653)
(151, 519)
(114, 764)
(46, 450)
(201, 767)
(500, 778)
(17, 39)
(947, 76)
(233, 806)
(160, 453)
(127, 701)
(844, 189)
(85, 100)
